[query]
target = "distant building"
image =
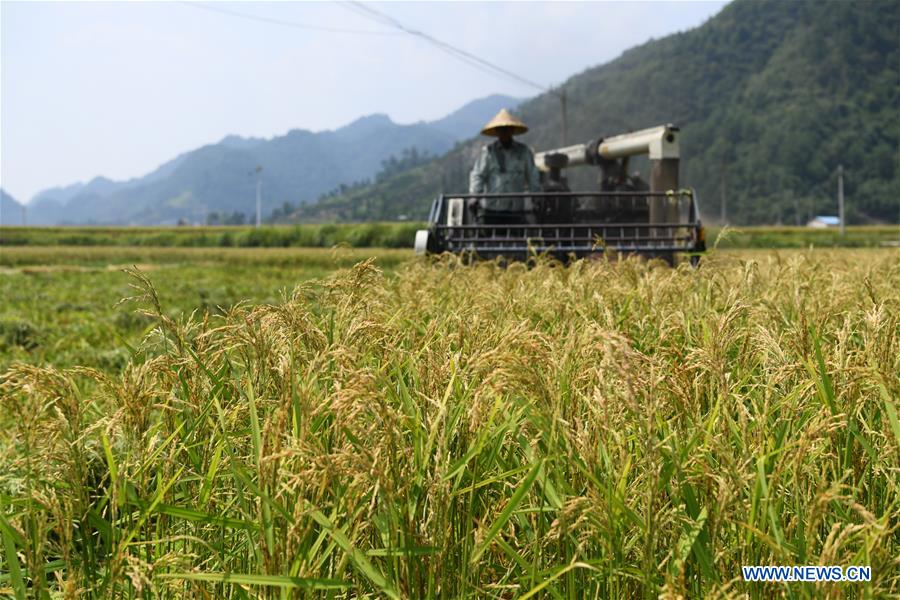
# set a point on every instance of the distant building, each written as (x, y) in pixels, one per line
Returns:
(823, 221)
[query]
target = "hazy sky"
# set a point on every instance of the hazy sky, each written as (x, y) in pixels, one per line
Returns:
(116, 89)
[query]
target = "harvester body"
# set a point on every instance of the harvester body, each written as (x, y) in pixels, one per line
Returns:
(626, 215)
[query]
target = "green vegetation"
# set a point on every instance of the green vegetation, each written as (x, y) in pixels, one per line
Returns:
(60, 304)
(771, 97)
(359, 235)
(384, 235)
(803, 237)
(610, 429)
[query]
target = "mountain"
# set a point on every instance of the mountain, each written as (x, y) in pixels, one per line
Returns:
(81, 203)
(220, 179)
(771, 98)
(10, 210)
(239, 143)
(49, 205)
(464, 122)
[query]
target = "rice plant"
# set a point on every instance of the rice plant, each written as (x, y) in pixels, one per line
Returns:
(602, 430)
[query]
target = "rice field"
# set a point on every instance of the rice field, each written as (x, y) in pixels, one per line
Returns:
(61, 304)
(396, 235)
(412, 428)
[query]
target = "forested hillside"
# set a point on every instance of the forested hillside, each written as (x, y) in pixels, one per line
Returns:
(771, 97)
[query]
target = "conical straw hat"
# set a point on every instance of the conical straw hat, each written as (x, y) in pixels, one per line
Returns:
(504, 119)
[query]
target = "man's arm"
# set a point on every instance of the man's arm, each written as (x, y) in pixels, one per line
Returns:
(478, 176)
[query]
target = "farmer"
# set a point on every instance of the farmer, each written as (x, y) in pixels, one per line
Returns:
(503, 166)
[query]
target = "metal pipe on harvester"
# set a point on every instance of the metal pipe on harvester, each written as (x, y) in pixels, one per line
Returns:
(657, 142)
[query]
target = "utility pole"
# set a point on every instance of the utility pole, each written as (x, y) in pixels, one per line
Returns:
(724, 210)
(841, 196)
(565, 118)
(24, 219)
(258, 196)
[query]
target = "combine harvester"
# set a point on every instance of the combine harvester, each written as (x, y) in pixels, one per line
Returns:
(624, 216)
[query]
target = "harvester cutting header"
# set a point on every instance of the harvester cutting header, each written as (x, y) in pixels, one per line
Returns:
(519, 203)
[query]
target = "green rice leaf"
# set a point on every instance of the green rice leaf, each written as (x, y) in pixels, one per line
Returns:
(282, 581)
(12, 561)
(356, 556)
(508, 510)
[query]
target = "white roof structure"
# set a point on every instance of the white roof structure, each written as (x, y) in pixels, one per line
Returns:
(824, 221)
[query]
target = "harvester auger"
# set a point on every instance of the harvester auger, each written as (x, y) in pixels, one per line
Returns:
(626, 215)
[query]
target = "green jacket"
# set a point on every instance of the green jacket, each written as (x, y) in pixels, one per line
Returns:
(503, 170)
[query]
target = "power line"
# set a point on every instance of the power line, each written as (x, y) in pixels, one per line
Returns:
(469, 58)
(459, 53)
(283, 23)
(449, 50)
(381, 18)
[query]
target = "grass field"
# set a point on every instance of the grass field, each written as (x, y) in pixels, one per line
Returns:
(359, 235)
(415, 428)
(394, 235)
(61, 304)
